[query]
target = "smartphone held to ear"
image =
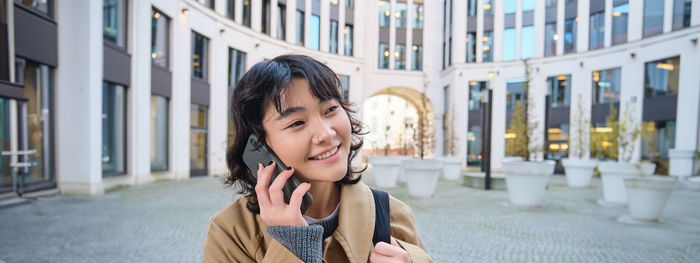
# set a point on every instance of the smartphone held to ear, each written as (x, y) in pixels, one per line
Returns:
(252, 156)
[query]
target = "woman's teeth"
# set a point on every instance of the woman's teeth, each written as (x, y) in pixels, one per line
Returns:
(326, 155)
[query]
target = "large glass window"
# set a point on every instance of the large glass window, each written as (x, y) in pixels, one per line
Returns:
(159, 133)
(236, 66)
(417, 58)
(345, 87)
(113, 128)
(400, 56)
(527, 42)
(333, 41)
(570, 35)
(471, 7)
(315, 32)
(681, 13)
(160, 38)
(606, 86)
(661, 77)
(42, 6)
(550, 39)
(400, 14)
(384, 13)
(300, 27)
(477, 91)
(509, 44)
(488, 7)
(515, 92)
(417, 15)
(114, 22)
(596, 31)
(487, 48)
(619, 23)
(348, 39)
(246, 13)
(383, 55)
(559, 90)
(199, 55)
(265, 19)
(653, 17)
(510, 6)
(281, 21)
(471, 46)
(198, 139)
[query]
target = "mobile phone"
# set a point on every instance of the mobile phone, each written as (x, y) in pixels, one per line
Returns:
(256, 153)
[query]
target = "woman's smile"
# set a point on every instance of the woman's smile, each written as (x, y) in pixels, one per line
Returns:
(327, 156)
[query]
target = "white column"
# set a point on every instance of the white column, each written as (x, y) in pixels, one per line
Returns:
(538, 90)
(307, 22)
(79, 79)
(459, 32)
(561, 18)
(480, 31)
(581, 79)
(518, 30)
(218, 108)
(497, 45)
(631, 94)
(682, 156)
(392, 35)
(179, 145)
(360, 26)
(256, 16)
(582, 26)
(291, 21)
(668, 16)
(239, 11)
(341, 27)
(607, 31)
(274, 16)
(695, 13)
(635, 20)
(498, 121)
(409, 35)
(324, 42)
(540, 12)
(139, 122)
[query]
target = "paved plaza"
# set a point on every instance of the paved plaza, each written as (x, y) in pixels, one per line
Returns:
(167, 222)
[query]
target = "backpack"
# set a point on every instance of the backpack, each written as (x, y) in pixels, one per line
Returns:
(382, 227)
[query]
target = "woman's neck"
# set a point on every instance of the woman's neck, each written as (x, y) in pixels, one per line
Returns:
(326, 198)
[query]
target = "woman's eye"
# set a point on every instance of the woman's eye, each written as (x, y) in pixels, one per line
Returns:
(331, 109)
(296, 123)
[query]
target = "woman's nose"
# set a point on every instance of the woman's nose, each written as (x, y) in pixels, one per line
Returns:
(323, 133)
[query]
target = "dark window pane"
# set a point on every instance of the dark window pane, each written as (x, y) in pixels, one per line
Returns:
(300, 28)
(596, 31)
(113, 128)
(348, 39)
(559, 90)
(199, 56)
(417, 62)
(383, 55)
(159, 133)
(550, 39)
(681, 13)
(384, 13)
(113, 22)
(653, 17)
(661, 77)
(619, 23)
(487, 48)
(281, 21)
(333, 41)
(471, 47)
(606, 86)
(160, 38)
(570, 36)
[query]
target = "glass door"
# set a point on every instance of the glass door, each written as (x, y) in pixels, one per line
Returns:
(198, 140)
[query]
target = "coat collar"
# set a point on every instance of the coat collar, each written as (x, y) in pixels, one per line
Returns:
(356, 221)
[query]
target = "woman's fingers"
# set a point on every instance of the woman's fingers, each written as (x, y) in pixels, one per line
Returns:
(298, 195)
(261, 189)
(276, 195)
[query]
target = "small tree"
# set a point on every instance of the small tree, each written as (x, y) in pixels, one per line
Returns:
(426, 133)
(629, 132)
(451, 139)
(604, 144)
(525, 143)
(582, 121)
(518, 130)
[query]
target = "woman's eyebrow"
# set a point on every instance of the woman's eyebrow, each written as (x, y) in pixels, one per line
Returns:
(290, 111)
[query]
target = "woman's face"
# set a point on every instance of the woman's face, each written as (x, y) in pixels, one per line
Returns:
(310, 135)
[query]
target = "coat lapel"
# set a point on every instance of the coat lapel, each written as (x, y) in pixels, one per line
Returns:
(356, 221)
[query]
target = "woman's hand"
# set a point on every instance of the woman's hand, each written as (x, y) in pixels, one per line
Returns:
(384, 252)
(273, 210)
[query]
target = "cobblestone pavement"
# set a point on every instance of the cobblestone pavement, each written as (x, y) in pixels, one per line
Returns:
(167, 222)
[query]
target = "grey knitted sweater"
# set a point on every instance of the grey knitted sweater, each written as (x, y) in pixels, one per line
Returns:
(306, 242)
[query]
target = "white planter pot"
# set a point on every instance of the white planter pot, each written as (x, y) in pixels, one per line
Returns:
(402, 172)
(451, 168)
(647, 169)
(422, 176)
(527, 181)
(613, 175)
(648, 195)
(579, 172)
(386, 170)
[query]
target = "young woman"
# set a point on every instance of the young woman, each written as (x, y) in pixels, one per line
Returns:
(293, 104)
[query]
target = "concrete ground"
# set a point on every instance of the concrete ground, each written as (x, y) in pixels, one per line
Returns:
(167, 222)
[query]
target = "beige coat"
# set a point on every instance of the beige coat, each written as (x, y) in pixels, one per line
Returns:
(237, 235)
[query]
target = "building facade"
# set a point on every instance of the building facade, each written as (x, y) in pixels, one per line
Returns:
(96, 94)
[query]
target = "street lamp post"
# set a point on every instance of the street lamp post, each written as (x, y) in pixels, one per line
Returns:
(486, 134)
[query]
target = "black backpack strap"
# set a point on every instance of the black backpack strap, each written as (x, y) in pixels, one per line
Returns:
(382, 227)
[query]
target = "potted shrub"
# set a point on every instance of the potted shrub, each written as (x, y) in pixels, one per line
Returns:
(385, 168)
(422, 174)
(526, 181)
(451, 164)
(579, 169)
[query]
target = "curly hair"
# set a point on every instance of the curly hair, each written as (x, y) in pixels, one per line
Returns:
(265, 83)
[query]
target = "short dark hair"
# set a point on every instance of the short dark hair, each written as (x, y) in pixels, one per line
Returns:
(265, 83)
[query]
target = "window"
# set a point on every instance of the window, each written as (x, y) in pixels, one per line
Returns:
(550, 39)
(559, 90)
(400, 14)
(417, 60)
(42, 6)
(236, 66)
(345, 87)
(350, 3)
(400, 56)
(113, 128)
(661, 77)
(471, 7)
(281, 21)
(199, 56)
(477, 91)
(488, 7)
(246, 13)
(198, 139)
(509, 44)
(208, 3)
(606, 86)
(487, 50)
(231, 9)
(653, 17)
(384, 13)
(515, 92)
(333, 43)
(527, 42)
(159, 133)
(348, 39)
(681, 13)
(315, 31)
(597, 31)
(660, 138)
(383, 55)
(114, 22)
(300, 27)
(550, 3)
(510, 6)
(619, 23)
(417, 15)
(265, 19)
(160, 38)
(570, 35)
(471, 47)
(528, 5)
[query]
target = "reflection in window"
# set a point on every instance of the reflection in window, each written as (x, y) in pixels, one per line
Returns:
(550, 39)
(487, 48)
(417, 15)
(315, 31)
(515, 92)
(471, 7)
(345, 87)
(597, 29)
(333, 43)
(509, 44)
(159, 133)
(559, 90)
(113, 128)
(659, 138)
(300, 27)
(681, 13)
(653, 17)
(570, 35)
(281, 21)
(471, 47)
(246, 13)
(606, 86)
(619, 23)
(400, 14)
(348, 39)
(527, 42)
(42, 6)
(488, 7)
(474, 145)
(661, 77)
(236, 67)
(417, 58)
(400, 56)
(477, 91)
(199, 56)
(37, 80)
(383, 55)
(114, 22)
(384, 13)
(557, 142)
(160, 38)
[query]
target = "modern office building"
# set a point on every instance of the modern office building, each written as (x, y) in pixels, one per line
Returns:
(96, 94)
